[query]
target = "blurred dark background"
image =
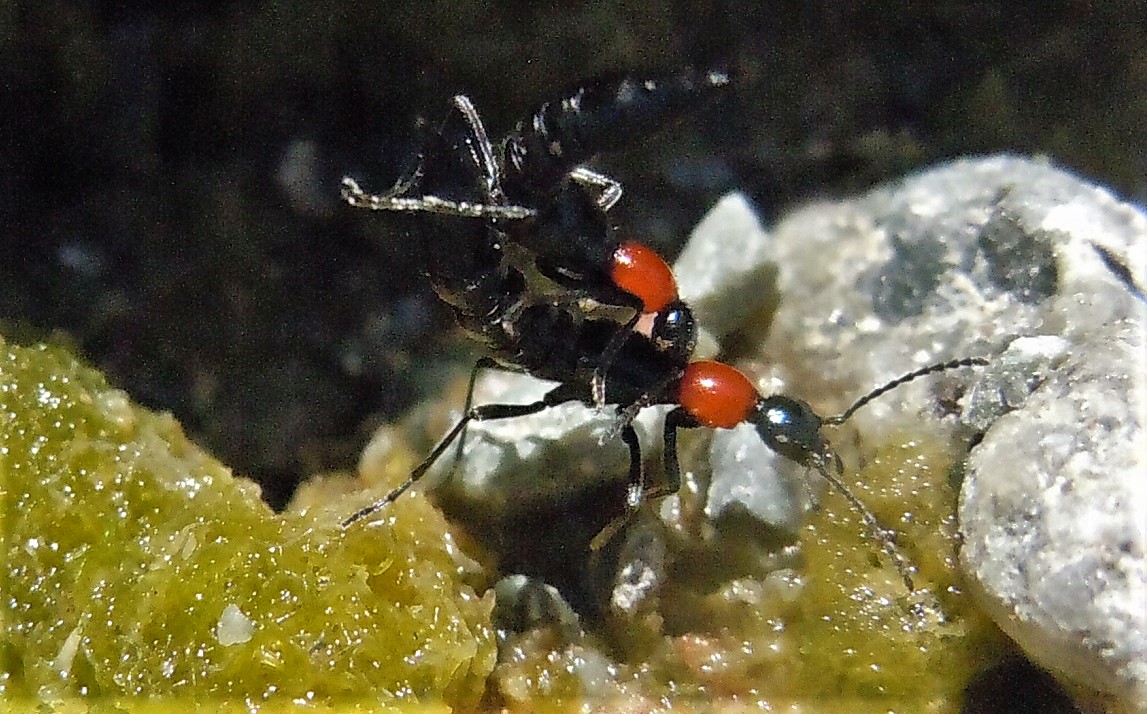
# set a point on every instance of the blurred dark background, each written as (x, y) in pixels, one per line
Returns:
(169, 176)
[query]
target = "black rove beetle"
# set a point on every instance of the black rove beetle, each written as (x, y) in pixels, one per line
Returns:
(532, 191)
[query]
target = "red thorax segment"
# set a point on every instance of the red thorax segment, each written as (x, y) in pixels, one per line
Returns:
(716, 395)
(641, 272)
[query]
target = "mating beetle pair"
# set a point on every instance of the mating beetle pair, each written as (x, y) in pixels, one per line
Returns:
(532, 191)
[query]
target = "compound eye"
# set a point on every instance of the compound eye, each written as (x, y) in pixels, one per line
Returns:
(716, 395)
(641, 272)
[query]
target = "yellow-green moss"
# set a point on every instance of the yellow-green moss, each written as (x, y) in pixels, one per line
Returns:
(859, 632)
(126, 547)
(841, 633)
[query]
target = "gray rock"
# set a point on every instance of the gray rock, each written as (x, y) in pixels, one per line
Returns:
(748, 475)
(1000, 257)
(983, 257)
(726, 270)
(1054, 510)
(501, 459)
(523, 603)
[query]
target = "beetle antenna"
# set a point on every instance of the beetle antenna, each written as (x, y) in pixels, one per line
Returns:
(829, 466)
(900, 381)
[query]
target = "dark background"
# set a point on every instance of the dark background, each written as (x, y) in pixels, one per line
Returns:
(168, 177)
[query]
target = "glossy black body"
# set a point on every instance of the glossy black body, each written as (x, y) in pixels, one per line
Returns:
(572, 240)
(464, 254)
(597, 116)
(538, 167)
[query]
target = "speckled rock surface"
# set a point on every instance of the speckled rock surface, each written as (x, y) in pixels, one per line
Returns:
(969, 259)
(1054, 512)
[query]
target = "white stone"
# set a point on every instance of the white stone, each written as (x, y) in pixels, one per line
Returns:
(234, 626)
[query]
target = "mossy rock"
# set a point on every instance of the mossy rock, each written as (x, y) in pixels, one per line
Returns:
(838, 633)
(140, 572)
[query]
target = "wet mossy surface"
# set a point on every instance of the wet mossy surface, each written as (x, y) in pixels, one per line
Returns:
(837, 632)
(860, 627)
(141, 573)
(138, 566)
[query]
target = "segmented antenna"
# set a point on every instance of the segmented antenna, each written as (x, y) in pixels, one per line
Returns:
(829, 466)
(885, 536)
(900, 381)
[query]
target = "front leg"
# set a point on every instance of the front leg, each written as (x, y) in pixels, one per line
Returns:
(353, 194)
(485, 412)
(634, 491)
(674, 420)
(458, 161)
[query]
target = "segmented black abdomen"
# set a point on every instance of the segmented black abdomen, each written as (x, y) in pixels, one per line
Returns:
(599, 116)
